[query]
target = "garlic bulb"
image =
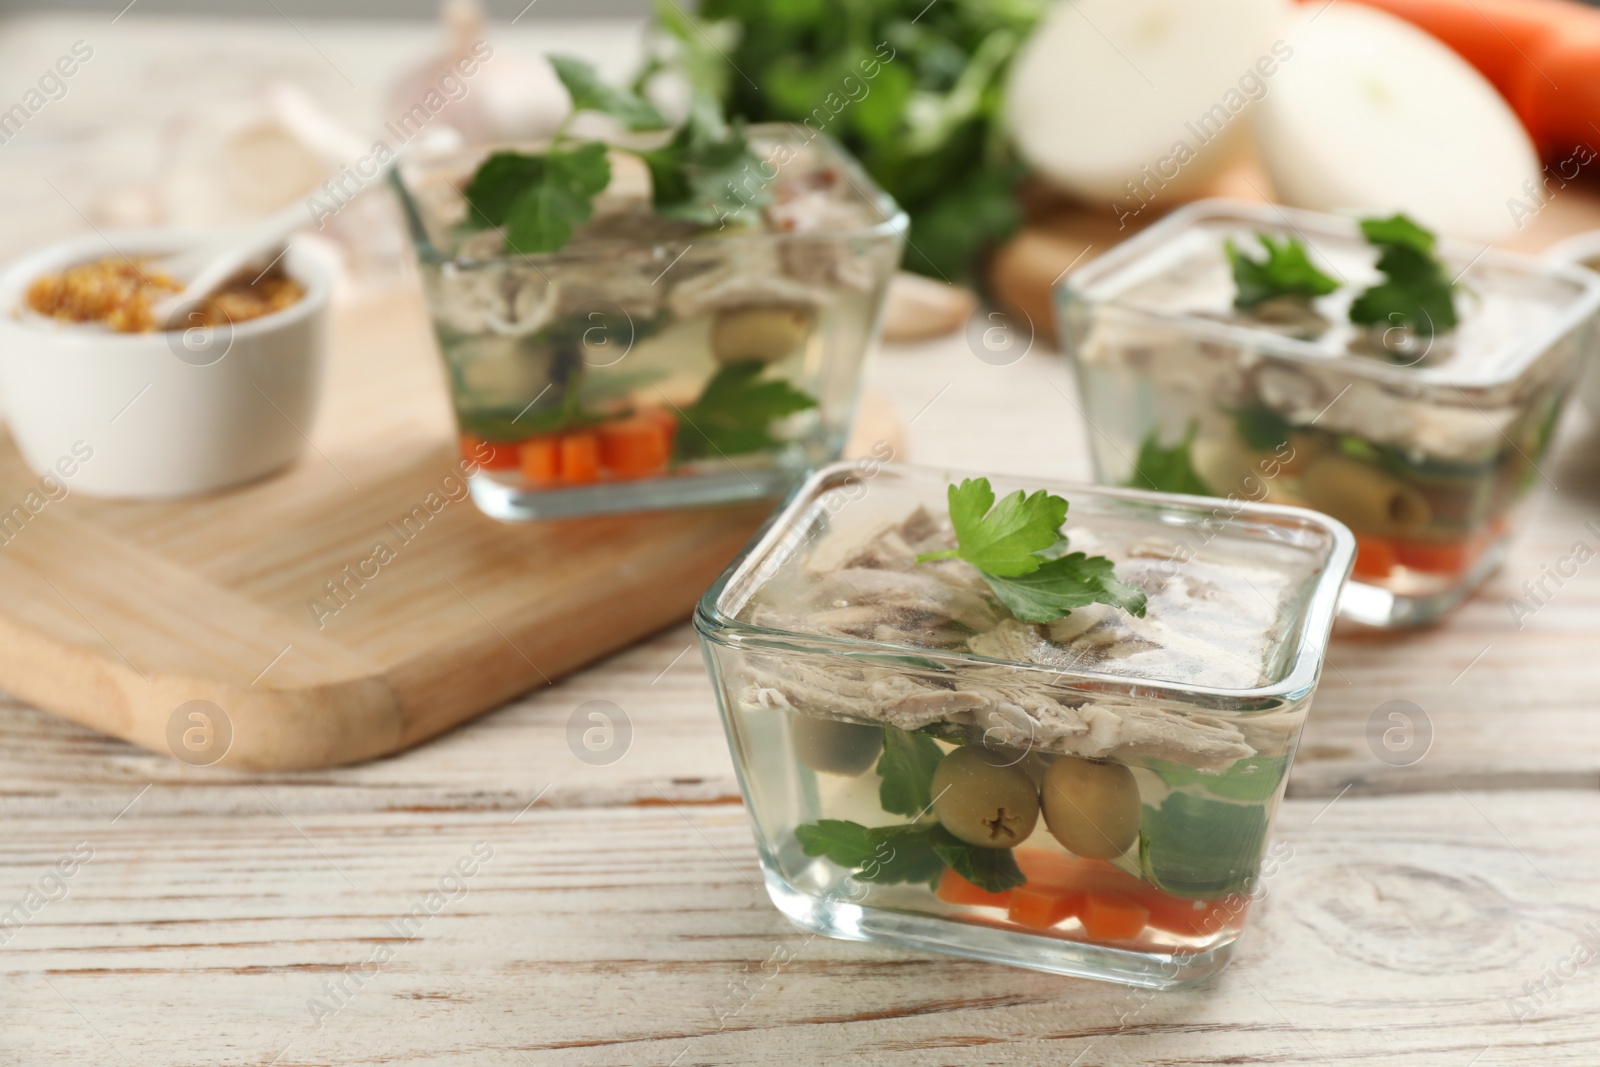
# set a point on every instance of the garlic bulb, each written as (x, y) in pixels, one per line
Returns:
(484, 93)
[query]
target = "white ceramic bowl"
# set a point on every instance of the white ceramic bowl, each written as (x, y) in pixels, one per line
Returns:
(1584, 250)
(158, 414)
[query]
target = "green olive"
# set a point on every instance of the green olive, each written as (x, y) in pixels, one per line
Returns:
(984, 799)
(1304, 446)
(1362, 496)
(1092, 808)
(1029, 761)
(1226, 466)
(767, 334)
(829, 746)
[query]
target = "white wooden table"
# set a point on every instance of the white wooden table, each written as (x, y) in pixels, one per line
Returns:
(1440, 914)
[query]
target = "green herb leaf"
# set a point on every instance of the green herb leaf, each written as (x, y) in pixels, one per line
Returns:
(543, 218)
(900, 854)
(1260, 428)
(496, 185)
(538, 199)
(1018, 549)
(735, 413)
(590, 93)
(1199, 848)
(1417, 291)
(1255, 778)
(906, 767)
(1001, 541)
(706, 174)
(1059, 585)
(1167, 470)
(883, 855)
(993, 870)
(843, 842)
(1286, 271)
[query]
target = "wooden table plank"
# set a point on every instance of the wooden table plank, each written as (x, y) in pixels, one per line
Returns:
(1397, 929)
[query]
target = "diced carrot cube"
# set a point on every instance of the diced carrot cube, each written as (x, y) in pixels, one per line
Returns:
(541, 461)
(1113, 917)
(1192, 918)
(490, 455)
(667, 419)
(954, 889)
(1375, 557)
(1435, 557)
(635, 447)
(1058, 870)
(580, 458)
(1041, 907)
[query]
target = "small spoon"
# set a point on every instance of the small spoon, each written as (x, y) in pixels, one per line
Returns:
(210, 266)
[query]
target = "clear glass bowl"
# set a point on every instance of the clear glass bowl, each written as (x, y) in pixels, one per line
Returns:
(1157, 748)
(620, 373)
(1424, 448)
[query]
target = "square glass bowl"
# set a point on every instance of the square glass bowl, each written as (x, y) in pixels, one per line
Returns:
(652, 362)
(1424, 447)
(858, 689)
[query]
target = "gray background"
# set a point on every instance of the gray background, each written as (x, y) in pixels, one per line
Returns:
(373, 9)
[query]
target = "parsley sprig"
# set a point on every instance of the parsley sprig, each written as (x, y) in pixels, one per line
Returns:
(1019, 551)
(1163, 469)
(1416, 291)
(1287, 271)
(540, 199)
(735, 412)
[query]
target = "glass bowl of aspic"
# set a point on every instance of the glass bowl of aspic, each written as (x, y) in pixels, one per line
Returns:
(1407, 386)
(676, 314)
(967, 721)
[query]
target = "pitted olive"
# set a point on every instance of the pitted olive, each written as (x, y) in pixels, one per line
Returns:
(984, 799)
(767, 334)
(829, 746)
(1363, 496)
(1092, 808)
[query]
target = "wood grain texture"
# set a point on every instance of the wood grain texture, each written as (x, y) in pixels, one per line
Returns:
(1398, 931)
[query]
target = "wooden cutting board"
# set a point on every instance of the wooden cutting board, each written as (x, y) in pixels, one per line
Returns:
(121, 615)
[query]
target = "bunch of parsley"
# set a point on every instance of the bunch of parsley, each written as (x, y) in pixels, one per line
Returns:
(539, 199)
(912, 89)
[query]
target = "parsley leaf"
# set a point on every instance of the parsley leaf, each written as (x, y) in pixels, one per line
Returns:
(906, 767)
(1167, 470)
(538, 198)
(1287, 271)
(1001, 541)
(735, 412)
(1416, 290)
(884, 855)
(1195, 847)
(843, 842)
(1059, 585)
(1018, 550)
(706, 173)
(993, 870)
(901, 854)
(590, 93)
(496, 184)
(1260, 428)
